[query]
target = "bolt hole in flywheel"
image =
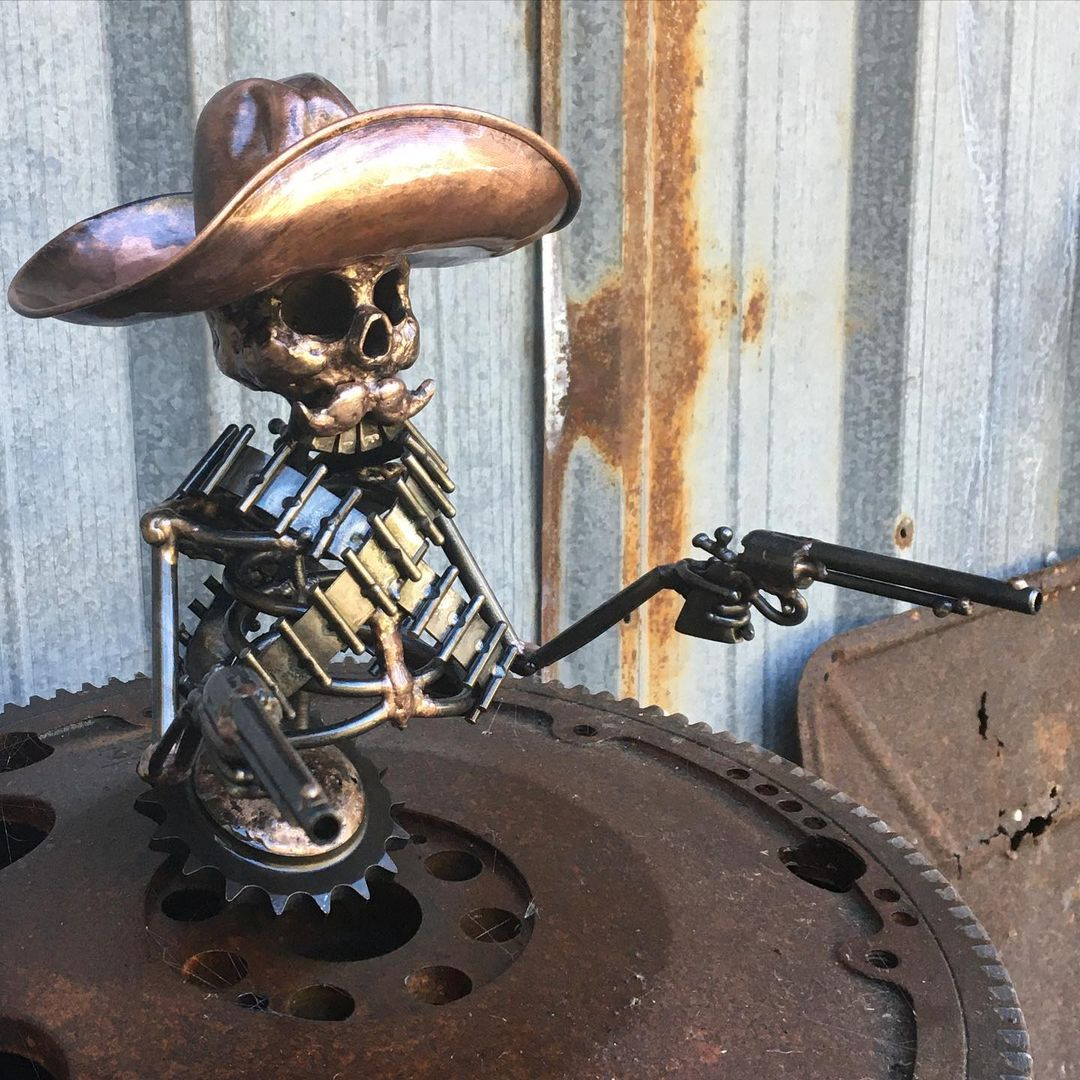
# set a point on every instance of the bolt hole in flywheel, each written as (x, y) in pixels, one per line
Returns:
(457, 897)
(588, 889)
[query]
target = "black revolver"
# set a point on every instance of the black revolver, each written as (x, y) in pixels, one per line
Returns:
(768, 576)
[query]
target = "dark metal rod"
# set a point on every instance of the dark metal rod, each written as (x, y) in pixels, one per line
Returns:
(227, 461)
(601, 618)
(195, 477)
(892, 592)
(935, 579)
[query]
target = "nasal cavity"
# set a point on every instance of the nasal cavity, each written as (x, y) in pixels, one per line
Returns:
(376, 341)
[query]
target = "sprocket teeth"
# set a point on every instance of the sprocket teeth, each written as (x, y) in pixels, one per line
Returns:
(192, 865)
(397, 840)
(150, 808)
(183, 834)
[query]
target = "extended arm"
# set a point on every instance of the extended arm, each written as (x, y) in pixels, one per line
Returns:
(720, 591)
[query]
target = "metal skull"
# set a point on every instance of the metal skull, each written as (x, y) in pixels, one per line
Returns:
(331, 343)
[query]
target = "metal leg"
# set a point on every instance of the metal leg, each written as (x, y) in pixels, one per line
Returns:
(166, 617)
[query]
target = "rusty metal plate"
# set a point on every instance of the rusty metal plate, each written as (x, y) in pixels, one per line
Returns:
(591, 890)
(962, 735)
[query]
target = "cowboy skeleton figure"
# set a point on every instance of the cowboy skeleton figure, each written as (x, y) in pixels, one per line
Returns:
(305, 220)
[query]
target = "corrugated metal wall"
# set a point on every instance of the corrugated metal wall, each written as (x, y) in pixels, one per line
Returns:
(822, 281)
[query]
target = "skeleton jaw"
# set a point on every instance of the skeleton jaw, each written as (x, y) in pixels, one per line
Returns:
(384, 400)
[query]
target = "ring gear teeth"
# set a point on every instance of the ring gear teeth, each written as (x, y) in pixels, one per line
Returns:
(185, 828)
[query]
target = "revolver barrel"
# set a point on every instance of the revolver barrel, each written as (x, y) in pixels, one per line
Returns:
(800, 560)
(240, 716)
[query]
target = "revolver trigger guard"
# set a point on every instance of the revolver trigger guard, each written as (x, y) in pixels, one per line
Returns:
(793, 607)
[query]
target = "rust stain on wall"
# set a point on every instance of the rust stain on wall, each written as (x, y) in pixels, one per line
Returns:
(678, 345)
(904, 532)
(753, 321)
(720, 299)
(639, 344)
(598, 332)
(550, 43)
(604, 365)
(1053, 733)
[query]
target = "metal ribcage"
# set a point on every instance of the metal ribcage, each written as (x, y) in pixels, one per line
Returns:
(382, 556)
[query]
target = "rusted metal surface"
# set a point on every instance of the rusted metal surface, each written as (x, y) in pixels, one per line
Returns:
(963, 738)
(885, 295)
(676, 340)
(636, 339)
(800, 294)
(546, 921)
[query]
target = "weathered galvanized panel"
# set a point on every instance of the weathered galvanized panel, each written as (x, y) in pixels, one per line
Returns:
(850, 315)
(69, 546)
(995, 210)
(730, 301)
(99, 106)
(822, 281)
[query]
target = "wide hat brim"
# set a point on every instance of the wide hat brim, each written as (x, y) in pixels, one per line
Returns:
(439, 184)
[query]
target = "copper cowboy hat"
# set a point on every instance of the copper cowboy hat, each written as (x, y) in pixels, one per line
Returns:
(289, 178)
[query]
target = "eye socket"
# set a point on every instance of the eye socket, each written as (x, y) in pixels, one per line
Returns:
(388, 298)
(321, 305)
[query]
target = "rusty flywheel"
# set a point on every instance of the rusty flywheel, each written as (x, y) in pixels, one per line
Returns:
(589, 890)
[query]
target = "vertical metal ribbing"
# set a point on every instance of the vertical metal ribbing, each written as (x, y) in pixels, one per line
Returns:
(266, 476)
(228, 459)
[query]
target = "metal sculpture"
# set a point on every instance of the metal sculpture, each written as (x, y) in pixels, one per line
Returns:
(297, 241)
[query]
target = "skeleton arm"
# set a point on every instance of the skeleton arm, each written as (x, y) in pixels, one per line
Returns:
(720, 591)
(168, 528)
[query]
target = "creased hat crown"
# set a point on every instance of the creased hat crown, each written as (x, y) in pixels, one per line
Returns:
(247, 124)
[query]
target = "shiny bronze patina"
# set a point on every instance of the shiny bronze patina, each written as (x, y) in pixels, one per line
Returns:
(331, 343)
(290, 179)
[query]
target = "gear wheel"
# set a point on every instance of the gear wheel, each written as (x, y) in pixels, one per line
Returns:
(186, 828)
